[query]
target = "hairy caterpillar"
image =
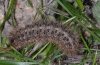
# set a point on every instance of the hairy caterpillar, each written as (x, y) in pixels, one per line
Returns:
(53, 32)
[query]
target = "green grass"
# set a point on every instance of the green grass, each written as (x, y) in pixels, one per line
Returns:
(76, 14)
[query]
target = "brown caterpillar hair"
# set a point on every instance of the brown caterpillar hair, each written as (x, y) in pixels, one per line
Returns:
(53, 32)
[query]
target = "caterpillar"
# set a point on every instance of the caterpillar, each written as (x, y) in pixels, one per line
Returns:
(53, 32)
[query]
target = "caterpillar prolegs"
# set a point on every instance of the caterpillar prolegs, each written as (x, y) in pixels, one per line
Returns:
(53, 32)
